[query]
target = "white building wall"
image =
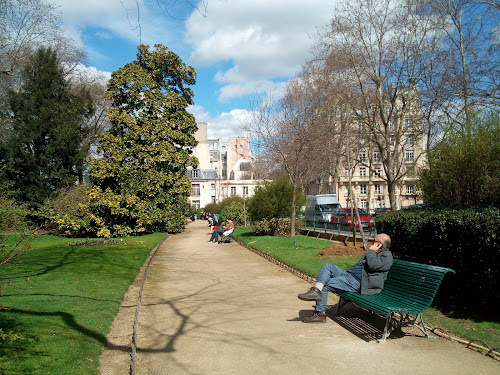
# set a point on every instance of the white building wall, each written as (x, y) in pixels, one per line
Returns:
(230, 157)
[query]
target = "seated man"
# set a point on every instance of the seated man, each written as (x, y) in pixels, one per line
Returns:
(215, 234)
(367, 277)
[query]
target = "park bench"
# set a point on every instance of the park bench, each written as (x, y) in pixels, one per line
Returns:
(227, 236)
(409, 289)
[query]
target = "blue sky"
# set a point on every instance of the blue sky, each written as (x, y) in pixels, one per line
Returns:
(239, 48)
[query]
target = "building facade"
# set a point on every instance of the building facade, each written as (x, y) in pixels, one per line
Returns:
(361, 171)
(224, 170)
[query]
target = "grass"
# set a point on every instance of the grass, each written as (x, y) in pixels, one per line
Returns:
(62, 315)
(301, 253)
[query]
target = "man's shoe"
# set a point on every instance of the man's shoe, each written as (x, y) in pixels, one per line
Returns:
(314, 294)
(317, 317)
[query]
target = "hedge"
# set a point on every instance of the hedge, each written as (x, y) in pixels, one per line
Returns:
(465, 240)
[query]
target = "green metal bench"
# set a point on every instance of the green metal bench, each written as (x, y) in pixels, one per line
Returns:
(409, 289)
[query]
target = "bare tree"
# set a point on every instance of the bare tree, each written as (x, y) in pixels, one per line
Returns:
(382, 44)
(468, 62)
(281, 130)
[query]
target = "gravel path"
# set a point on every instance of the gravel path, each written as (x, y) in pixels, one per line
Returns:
(221, 309)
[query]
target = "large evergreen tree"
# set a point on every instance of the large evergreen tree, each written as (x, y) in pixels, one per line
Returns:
(45, 150)
(140, 180)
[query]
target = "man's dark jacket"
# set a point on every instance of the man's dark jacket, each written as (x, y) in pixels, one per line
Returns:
(375, 270)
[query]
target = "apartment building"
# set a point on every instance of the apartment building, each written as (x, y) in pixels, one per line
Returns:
(224, 169)
(361, 170)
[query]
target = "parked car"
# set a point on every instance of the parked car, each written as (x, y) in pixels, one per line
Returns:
(380, 210)
(343, 216)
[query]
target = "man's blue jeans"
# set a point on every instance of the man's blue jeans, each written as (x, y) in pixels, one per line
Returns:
(335, 280)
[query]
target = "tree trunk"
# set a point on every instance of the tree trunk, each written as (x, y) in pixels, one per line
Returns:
(294, 206)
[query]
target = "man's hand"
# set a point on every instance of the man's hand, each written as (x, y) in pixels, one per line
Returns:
(376, 246)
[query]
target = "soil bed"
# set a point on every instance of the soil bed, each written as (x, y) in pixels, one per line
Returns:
(341, 250)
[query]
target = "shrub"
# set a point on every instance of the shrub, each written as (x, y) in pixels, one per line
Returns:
(212, 208)
(273, 227)
(13, 216)
(464, 170)
(234, 211)
(273, 200)
(465, 240)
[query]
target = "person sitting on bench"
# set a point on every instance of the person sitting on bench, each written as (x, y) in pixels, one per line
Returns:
(367, 276)
(215, 234)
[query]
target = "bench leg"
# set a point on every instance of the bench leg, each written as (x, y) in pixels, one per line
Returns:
(340, 305)
(389, 327)
(421, 326)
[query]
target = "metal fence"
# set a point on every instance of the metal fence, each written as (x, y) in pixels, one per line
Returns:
(322, 221)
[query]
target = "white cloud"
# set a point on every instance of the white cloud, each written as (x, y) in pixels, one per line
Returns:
(263, 40)
(225, 125)
(129, 19)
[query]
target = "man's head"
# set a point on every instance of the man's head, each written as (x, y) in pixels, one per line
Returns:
(384, 239)
(229, 220)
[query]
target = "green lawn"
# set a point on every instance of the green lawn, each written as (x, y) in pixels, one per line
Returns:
(301, 253)
(62, 315)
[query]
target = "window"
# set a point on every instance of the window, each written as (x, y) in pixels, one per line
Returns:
(409, 140)
(410, 189)
(196, 204)
(196, 190)
(378, 171)
(346, 190)
(195, 173)
(376, 156)
(362, 157)
(363, 203)
(409, 123)
(390, 125)
(212, 186)
(362, 188)
(245, 190)
(213, 198)
(347, 172)
(409, 156)
(378, 189)
(392, 140)
(362, 171)
(233, 190)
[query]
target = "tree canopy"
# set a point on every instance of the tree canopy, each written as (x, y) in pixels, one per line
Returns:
(464, 170)
(139, 179)
(45, 149)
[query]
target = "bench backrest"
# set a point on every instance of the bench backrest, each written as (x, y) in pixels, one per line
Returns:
(414, 281)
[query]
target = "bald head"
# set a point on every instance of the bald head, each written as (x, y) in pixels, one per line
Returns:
(384, 239)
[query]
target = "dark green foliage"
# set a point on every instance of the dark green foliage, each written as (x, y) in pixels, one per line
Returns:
(464, 171)
(45, 149)
(12, 214)
(273, 200)
(465, 240)
(140, 180)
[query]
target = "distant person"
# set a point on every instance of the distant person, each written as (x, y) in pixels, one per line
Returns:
(367, 277)
(215, 234)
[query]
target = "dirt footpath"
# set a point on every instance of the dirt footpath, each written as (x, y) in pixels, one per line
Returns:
(221, 309)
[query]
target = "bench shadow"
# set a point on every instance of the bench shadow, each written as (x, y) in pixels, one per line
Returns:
(364, 324)
(361, 323)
